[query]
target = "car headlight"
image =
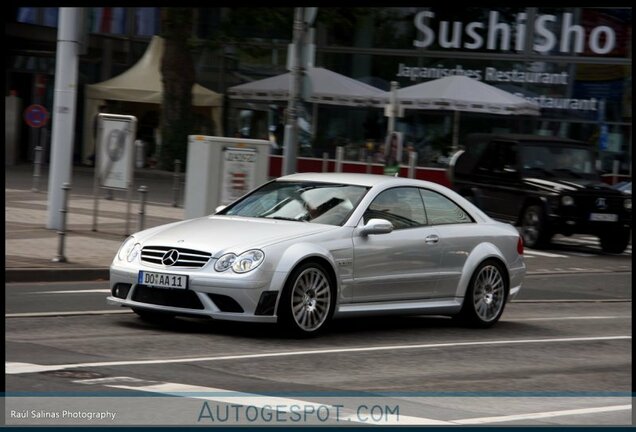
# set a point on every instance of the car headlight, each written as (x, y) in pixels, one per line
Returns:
(225, 262)
(126, 248)
(628, 203)
(567, 200)
(248, 261)
(134, 253)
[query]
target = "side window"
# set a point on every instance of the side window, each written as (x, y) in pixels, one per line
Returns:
(402, 207)
(440, 210)
(505, 157)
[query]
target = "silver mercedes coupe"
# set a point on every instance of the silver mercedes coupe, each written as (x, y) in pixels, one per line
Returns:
(306, 248)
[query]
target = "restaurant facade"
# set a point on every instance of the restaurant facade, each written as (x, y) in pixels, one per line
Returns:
(576, 63)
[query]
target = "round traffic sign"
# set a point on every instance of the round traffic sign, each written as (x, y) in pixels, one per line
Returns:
(36, 116)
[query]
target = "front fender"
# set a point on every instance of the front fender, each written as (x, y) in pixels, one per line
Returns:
(479, 254)
(293, 255)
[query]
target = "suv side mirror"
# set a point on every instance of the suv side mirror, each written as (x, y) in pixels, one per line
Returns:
(376, 226)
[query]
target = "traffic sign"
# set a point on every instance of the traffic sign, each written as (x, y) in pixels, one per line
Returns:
(36, 116)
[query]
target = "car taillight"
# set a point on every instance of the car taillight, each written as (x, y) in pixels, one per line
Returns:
(520, 246)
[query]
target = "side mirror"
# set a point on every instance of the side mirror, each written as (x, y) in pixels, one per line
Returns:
(377, 226)
(219, 208)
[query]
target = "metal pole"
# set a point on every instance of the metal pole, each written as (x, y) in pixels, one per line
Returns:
(175, 185)
(63, 112)
(290, 146)
(393, 110)
(62, 231)
(142, 206)
(325, 162)
(37, 164)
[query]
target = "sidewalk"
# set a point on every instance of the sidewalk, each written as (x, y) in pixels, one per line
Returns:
(30, 247)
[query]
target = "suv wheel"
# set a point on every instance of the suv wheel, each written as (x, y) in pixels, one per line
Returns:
(615, 241)
(533, 227)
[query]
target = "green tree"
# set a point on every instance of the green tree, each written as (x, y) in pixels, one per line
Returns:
(178, 77)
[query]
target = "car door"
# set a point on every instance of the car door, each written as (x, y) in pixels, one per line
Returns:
(457, 238)
(400, 265)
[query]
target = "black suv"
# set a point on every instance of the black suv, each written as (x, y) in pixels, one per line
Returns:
(546, 185)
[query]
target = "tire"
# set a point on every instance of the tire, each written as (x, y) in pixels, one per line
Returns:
(615, 241)
(485, 297)
(308, 300)
(153, 316)
(534, 227)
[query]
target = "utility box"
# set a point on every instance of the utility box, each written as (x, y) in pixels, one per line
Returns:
(221, 169)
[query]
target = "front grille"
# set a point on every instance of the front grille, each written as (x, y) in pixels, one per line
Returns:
(167, 297)
(187, 257)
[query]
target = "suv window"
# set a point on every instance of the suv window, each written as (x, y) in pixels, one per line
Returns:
(558, 160)
(499, 157)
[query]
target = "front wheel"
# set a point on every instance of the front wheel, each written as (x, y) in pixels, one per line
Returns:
(485, 296)
(615, 241)
(307, 301)
(534, 227)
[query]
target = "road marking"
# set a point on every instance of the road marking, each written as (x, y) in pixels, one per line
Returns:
(339, 411)
(572, 318)
(73, 291)
(541, 415)
(19, 368)
(70, 313)
(274, 403)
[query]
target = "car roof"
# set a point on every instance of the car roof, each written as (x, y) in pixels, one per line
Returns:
(369, 180)
(520, 137)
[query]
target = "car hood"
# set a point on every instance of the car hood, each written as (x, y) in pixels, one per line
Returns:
(571, 185)
(221, 234)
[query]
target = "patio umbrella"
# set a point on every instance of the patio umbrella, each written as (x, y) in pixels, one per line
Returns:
(459, 93)
(325, 87)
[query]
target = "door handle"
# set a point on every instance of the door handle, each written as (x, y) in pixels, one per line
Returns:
(433, 238)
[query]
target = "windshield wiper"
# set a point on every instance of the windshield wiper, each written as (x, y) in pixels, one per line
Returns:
(569, 171)
(543, 170)
(286, 218)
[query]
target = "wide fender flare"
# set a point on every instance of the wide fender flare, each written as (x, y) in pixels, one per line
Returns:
(478, 255)
(293, 256)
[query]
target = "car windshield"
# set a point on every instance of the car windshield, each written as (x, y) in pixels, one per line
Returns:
(322, 203)
(558, 160)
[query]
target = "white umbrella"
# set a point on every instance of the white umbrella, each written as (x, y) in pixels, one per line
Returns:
(325, 87)
(459, 93)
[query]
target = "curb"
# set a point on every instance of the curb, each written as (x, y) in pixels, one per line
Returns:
(55, 275)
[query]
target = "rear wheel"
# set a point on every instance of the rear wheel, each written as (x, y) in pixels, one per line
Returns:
(614, 241)
(534, 227)
(485, 296)
(308, 300)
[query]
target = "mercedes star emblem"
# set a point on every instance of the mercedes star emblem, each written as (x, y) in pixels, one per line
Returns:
(170, 258)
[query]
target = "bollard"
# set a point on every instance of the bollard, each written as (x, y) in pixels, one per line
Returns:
(339, 157)
(412, 163)
(142, 206)
(325, 162)
(37, 166)
(175, 184)
(62, 232)
(369, 162)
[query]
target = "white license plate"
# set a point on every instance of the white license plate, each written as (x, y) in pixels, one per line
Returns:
(163, 280)
(603, 217)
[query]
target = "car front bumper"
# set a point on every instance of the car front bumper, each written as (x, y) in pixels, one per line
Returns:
(234, 298)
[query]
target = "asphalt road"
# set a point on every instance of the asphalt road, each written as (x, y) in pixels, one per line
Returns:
(561, 355)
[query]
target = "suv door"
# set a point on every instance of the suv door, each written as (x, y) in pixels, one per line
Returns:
(500, 189)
